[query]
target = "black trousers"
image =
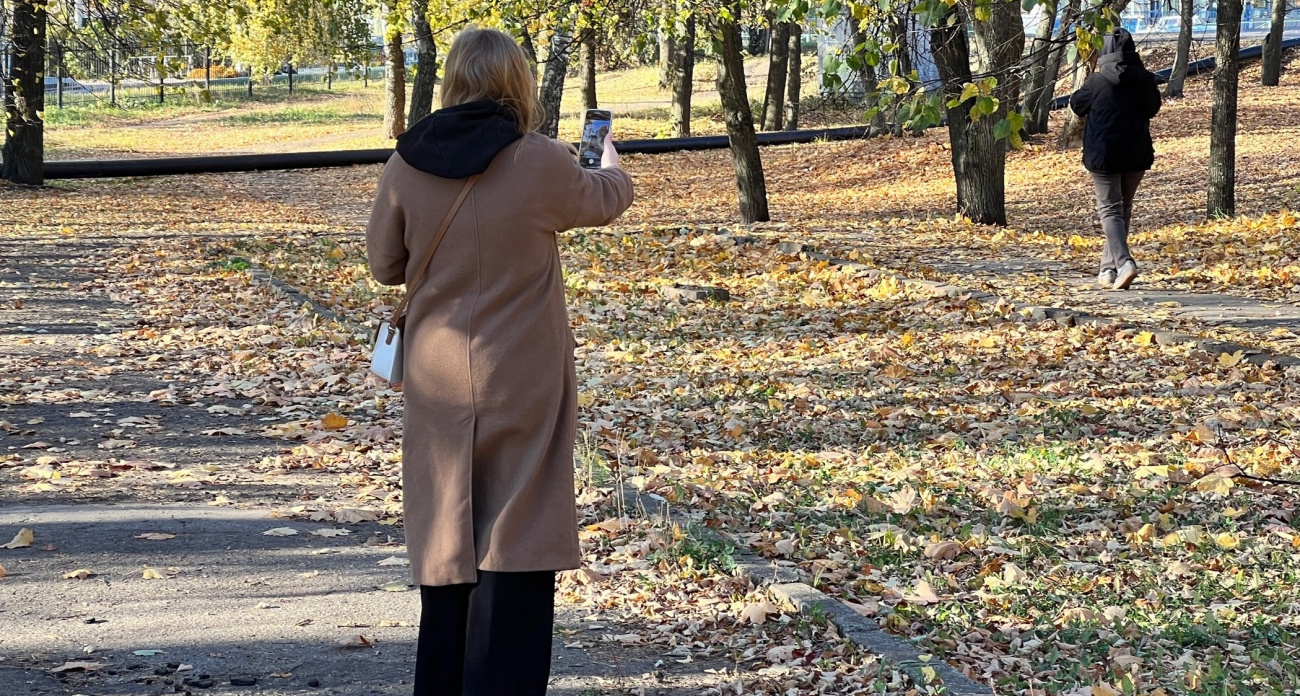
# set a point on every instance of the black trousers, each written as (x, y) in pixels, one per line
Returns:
(489, 638)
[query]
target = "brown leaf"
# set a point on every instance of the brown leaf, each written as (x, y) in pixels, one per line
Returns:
(757, 612)
(922, 594)
(943, 550)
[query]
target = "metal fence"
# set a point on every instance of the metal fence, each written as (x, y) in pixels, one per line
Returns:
(70, 92)
(134, 75)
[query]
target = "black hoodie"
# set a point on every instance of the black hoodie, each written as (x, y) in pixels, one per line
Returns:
(461, 140)
(1119, 100)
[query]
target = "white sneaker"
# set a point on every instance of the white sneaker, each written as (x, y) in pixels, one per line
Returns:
(1106, 278)
(1126, 275)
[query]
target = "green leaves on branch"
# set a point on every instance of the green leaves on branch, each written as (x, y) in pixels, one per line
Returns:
(982, 92)
(1009, 129)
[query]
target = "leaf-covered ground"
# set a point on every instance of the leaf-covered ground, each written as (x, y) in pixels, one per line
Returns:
(1053, 509)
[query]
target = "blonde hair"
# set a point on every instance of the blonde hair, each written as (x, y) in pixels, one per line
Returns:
(489, 64)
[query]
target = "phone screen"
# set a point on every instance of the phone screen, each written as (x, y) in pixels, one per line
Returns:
(595, 126)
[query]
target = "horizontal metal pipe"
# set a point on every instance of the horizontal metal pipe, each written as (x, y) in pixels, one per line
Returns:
(215, 164)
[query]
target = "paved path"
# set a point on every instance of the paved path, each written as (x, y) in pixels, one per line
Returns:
(233, 605)
(1140, 303)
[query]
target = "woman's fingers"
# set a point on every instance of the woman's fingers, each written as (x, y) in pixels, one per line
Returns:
(610, 157)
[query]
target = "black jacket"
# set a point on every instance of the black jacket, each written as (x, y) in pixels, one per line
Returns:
(1119, 100)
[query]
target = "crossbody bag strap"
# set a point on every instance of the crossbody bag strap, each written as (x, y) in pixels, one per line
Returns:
(428, 255)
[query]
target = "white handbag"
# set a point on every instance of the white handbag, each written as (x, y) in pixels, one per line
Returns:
(386, 358)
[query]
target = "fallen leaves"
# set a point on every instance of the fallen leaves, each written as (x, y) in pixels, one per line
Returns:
(280, 532)
(79, 574)
(155, 536)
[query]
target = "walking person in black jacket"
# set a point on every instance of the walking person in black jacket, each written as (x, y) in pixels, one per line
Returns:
(1119, 101)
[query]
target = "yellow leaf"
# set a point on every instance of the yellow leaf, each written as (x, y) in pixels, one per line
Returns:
(1231, 360)
(585, 399)
(1144, 339)
(907, 339)
(333, 421)
(1227, 540)
(79, 574)
(1214, 483)
(1161, 470)
(151, 574)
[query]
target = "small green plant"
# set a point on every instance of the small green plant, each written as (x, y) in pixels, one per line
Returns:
(235, 263)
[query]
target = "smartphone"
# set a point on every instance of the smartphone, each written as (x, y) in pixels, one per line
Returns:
(595, 126)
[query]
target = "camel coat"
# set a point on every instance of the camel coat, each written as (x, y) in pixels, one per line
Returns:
(491, 396)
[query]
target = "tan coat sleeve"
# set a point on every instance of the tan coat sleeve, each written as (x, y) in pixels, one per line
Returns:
(386, 233)
(586, 197)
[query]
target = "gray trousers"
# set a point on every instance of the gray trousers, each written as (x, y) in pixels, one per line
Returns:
(1115, 194)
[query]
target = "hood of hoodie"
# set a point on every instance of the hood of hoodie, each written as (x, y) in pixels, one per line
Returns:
(1120, 62)
(459, 141)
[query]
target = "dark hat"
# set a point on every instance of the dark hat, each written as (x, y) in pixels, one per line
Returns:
(1118, 41)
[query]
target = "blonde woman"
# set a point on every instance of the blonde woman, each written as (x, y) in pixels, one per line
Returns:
(491, 397)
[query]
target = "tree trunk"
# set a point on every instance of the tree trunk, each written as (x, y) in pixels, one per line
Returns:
(426, 68)
(1065, 30)
(1272, 72)
(1040, 54)
(978, 158)
(898, 34)
(587, 63)
(778, 62)
(1002, 43)
(24, 145)
(740, 123)
(667, 44)
(1221, 201)
(552, 91)
(1183, 55)
(395, 113)
(530, 51)
(794, 78)
(683, 80)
